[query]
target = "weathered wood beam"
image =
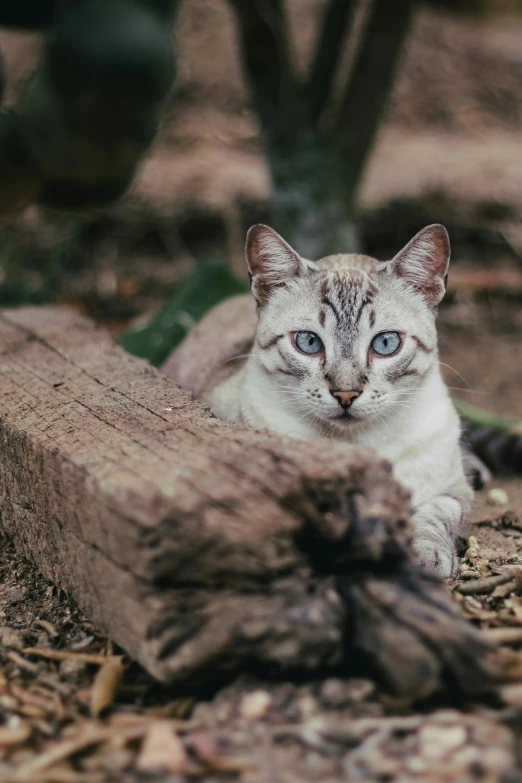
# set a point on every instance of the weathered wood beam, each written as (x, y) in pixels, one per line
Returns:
(201, 546)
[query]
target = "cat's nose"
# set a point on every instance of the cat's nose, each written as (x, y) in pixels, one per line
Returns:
(344, 398)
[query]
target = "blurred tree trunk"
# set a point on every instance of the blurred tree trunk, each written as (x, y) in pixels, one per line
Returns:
(316, 156)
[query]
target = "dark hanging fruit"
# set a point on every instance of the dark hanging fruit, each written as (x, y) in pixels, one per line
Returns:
(117, 47)
(66, 152)
(92, 108)
(27, 14)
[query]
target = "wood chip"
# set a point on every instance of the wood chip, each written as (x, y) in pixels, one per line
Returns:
(47, 703)
(106, 685)
(56, 753)
(502, 591)
(25, 666)
(504, 635)
(162, 750)
(48, 628)
(14, 735)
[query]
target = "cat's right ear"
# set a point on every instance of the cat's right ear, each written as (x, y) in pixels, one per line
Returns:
(271, 261)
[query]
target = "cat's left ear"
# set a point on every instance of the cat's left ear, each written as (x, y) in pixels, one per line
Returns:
(271, 261)
(424, 262)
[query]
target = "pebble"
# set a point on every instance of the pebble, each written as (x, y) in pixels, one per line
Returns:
(254, 705)
(72, 668)
(497, 497)
(436, 741)
(11, 638)
(335, 693)
(307, 707)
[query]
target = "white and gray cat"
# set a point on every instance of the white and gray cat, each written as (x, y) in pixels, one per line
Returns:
(346, 348)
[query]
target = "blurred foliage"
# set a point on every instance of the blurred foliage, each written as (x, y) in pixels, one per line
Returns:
(30, 276)
(204, 287)
(483, 418)
(92, 107)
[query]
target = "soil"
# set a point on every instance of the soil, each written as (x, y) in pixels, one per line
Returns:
(449, 151)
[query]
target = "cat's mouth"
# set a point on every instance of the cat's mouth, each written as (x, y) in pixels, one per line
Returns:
(345, 416)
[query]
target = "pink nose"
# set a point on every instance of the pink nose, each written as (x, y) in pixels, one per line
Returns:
(345, 397)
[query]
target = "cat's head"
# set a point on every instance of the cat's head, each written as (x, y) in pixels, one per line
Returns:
(347, 338)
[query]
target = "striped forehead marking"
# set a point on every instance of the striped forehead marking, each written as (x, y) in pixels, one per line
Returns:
(347, 296)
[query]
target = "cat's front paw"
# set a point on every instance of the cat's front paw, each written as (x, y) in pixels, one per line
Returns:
(437, 556)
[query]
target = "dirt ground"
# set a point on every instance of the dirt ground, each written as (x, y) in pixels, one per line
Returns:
(71, 708)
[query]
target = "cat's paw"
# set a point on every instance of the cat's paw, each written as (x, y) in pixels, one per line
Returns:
(436, 556)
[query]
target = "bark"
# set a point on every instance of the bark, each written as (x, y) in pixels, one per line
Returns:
(309, 203)
(202, 547)
(316, 171)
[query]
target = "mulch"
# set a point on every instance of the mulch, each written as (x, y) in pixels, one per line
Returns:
(73, 708)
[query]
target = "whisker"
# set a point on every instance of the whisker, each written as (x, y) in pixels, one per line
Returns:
(443, 364)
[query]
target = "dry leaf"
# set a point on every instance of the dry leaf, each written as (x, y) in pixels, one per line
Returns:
(106, 685)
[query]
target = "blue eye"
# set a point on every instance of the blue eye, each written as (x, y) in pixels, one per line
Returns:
(308, 342)
(386, 343)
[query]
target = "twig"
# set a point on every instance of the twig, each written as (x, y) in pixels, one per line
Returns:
(93, 736)
(48, 627)
(485, 585)
(66, 655)
(22, 664)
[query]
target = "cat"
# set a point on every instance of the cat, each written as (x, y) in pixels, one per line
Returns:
(345, 348)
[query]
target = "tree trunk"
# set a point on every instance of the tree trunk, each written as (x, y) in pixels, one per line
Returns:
(309, 203)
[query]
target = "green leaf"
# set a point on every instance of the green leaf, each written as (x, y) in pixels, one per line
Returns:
(483, 418)
(203, 288)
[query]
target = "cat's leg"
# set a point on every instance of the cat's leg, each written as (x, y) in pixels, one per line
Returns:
(436, 527)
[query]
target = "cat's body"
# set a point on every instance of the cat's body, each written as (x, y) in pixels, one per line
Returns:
(316, 360)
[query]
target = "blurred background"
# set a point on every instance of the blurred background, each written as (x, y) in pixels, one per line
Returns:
(441, 142)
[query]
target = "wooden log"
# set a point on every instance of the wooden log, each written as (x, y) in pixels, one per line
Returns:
(203, 547)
